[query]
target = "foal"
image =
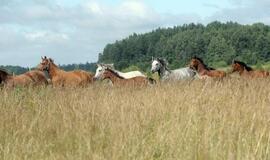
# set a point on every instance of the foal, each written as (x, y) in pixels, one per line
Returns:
(120, 81)
(61, 78)
(204, 71)
(246, 71)
(31, 78)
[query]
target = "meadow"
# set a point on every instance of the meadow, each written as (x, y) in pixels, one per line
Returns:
(202, 120)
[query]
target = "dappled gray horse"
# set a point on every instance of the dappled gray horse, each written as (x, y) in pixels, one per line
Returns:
(161, 66)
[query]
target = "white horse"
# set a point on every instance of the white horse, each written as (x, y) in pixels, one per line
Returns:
(160, 65)
(102, 67)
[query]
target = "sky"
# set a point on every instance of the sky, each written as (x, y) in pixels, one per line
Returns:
(76, 31)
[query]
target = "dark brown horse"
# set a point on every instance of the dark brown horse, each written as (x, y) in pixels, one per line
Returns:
(246, 71)
(117, 80)
(61, 78)
(203, 70)
(31, 78)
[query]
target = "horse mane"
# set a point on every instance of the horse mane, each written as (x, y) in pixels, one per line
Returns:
(248, 68)
(115, 73)
(207, 67)
(164, 62)
(111, 66)
(51, 61)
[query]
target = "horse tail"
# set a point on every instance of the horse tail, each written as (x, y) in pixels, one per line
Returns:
(151, 80)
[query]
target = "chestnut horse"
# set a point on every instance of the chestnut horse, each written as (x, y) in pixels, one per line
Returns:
(61, 78)
(31, 78)
(246, 71)
(121, 81)
(205, 71)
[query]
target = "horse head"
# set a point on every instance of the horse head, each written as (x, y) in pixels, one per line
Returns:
(197, 63)
(45, 64)
(240, 66)
(194, 63)
(3, 75)
(101, 69)
(158, 64)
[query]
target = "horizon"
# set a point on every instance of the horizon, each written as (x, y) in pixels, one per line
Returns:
(62, 28)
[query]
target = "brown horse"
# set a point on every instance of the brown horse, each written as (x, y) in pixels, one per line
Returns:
(205, 71)
(61, 78)
(117, 80)
(246, 71)
(31, 78)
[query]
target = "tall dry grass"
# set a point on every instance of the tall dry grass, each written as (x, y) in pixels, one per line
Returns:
(188, 120)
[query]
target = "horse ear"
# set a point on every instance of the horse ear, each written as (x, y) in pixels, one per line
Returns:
(51, 60)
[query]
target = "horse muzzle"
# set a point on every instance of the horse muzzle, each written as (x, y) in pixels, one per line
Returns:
(96, 78)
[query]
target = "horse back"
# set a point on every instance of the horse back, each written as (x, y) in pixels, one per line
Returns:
(37, 77)
(134, 82)
(260, 74)
(131, 74)
(20, 80)
(85, 76)
(182, 73)
(217, 73)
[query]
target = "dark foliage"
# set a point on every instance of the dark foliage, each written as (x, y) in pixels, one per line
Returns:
(216, 43)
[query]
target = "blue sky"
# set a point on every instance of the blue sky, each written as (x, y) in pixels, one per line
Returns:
(75, 31)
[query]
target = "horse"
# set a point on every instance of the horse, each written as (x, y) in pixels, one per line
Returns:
(246, 71)
(31, 78)
(101, 68)
(118, 80)
(203, 70)
(161, 66)
(61, 78)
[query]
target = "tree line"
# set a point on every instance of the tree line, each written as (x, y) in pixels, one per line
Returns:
(217, 43)
(20, 70)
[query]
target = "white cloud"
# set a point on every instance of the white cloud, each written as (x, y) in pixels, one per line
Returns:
(72, 34)
(78, 33)
(46, 37)
(244, 11)
(94, 7)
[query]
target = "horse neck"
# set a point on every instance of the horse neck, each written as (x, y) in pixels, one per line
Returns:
(242, 70)
(53, 70)
(201, 67)
(114, 78)
(162, 72)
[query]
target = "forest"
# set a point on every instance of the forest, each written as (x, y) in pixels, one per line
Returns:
(216, 43)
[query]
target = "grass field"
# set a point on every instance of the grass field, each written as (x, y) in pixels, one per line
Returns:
(188, 120)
